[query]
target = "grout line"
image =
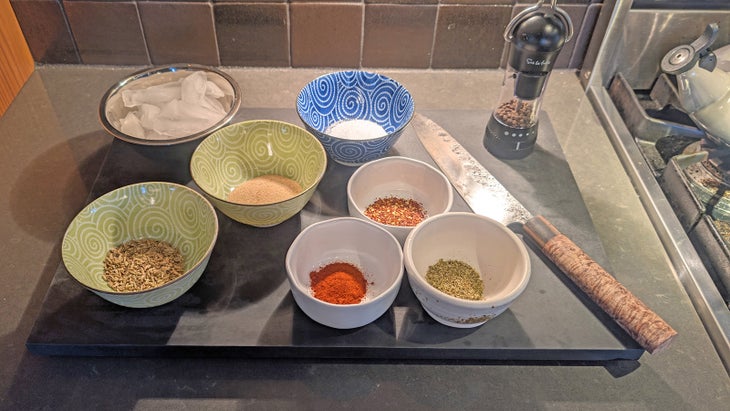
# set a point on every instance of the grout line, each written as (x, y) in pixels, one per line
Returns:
(215, 33)
(362, 35)
(433, 36)
(70, 32)
(144, 35)
(288, 34)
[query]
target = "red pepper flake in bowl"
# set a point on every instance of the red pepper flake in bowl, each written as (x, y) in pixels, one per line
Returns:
(396, 211)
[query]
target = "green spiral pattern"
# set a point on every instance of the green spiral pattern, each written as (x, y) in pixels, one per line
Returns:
(245, 150)
(158, 210)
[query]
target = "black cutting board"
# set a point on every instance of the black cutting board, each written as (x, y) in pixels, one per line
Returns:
(242, 306)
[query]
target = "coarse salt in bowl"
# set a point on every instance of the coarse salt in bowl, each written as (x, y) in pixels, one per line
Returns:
(351, 240)
(357, 115)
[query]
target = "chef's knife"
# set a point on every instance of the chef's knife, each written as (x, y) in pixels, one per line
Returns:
(487, 196)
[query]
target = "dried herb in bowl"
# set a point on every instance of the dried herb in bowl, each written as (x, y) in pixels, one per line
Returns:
(456, 278)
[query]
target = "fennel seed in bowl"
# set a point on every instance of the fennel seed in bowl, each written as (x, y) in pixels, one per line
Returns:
(139, 265)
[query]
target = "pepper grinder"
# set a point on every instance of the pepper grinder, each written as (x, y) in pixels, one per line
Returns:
(536, 35)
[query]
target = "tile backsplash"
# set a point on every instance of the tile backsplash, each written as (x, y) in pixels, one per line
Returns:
(421, 34)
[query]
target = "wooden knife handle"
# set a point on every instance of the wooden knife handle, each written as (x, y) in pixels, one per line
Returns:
(640, 322)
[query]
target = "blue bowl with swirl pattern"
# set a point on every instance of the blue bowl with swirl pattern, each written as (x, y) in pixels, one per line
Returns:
(357, 115)
(160, 211)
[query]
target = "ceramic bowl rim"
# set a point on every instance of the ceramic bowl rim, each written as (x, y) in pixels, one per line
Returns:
(381, 77)
(147, 72)
(484, 303)
(304, 191)
(342, 220)
(447, 183)
(187, 272)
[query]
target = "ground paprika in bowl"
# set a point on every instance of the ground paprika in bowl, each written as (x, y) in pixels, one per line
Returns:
(344, 272)
(339, 283)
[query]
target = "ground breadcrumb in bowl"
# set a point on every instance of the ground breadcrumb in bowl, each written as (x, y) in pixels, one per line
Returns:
(259, 172)
(143, 219)
(265, 189)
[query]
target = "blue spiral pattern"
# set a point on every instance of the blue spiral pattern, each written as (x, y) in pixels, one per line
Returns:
(348, 95)
(249, 149)
(158, 210)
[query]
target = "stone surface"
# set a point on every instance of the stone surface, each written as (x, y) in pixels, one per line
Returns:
(53, 147)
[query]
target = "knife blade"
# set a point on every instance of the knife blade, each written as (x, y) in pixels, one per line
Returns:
(477, 186)
(485, 195)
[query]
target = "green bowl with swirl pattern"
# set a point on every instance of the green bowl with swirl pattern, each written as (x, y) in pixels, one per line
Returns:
(249, 149)
(161, 211)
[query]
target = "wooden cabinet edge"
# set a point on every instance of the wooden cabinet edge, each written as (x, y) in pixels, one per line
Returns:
(16, 61)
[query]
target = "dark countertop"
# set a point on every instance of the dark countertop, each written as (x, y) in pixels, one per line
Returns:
(53, 147)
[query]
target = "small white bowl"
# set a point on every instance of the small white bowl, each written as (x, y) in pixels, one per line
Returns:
(486, 245)
(345, 239)
(398, 177)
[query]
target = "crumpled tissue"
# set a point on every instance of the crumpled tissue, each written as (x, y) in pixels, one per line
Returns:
(172, 110)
